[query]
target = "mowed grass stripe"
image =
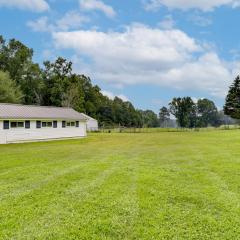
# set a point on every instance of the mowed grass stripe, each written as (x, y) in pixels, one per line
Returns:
(20, 179)
(84, 202)
(190, 194)
(123, 186)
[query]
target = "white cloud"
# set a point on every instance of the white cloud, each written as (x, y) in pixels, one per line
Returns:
(71, 20)
(158, 102)
(204, 5)
(167, 22)
(41, 25)
(90, 5)
(200, 20)
(123, 97)
(195, 100)
(48, 54)
(168, 58)
(111, 96)
(108, 94)
(32, 5)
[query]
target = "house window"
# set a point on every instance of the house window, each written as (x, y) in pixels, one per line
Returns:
(63, 124)
(55, 124)
(47, 124)
(71, 124)
(77, 123)
(5, 124)
(17, 124)
(27, 124)
(38, 124)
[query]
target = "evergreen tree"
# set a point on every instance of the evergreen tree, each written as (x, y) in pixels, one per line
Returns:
(232, 103)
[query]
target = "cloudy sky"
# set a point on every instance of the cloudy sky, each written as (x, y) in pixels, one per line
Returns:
(147, 51)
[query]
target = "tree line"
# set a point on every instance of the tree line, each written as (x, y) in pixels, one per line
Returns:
(190, 114)
(55, 84)
(204, 113)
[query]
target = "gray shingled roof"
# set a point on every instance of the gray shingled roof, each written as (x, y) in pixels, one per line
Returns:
(15, 111)
(88, 117)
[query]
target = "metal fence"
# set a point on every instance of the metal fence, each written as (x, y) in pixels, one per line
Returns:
(158, 130)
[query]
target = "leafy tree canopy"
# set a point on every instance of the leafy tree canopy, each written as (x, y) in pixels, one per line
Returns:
(9, 92)
(164, 116)
(207, 113)
(184, 110)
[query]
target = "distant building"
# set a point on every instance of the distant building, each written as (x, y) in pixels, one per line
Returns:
(21, 123)
(92, 124)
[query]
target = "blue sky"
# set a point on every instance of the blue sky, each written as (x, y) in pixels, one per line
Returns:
(147, 51)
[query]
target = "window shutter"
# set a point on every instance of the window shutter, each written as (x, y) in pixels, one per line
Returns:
(38, 124)
(5, 124)
(55, 124)
(77, 123)
(63, 124)
(27, 124)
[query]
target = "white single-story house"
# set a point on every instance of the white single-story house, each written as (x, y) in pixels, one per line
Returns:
(92, 124)
(22, 123)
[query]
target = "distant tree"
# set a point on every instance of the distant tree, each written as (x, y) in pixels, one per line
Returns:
(9, 92)
(224, 119)
(125, 114)
(192, 115)
(56, 77)
(207, 113)
(149, 119)
(184, 109)
(164, 116)
(16, 59)
(73, 98)
(105, 115)
(32, 85)
(232, 103)
(119, 111)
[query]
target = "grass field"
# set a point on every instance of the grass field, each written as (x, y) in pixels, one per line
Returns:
(183, 185)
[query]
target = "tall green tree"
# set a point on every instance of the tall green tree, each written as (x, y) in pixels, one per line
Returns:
(207, 113)
(9, 92)
(149, 119)
(125, 114)
(232, 103)
(164, 117)
(16, 59)
(56, 77)
(184, 109)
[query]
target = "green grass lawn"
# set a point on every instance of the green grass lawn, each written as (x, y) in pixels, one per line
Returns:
(183, 185)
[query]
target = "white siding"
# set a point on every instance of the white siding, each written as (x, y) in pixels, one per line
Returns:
(92, 125)
(35, 134)
(2, 134)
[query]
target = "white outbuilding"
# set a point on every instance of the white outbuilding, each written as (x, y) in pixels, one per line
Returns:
(23, 123)
(92, 124)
